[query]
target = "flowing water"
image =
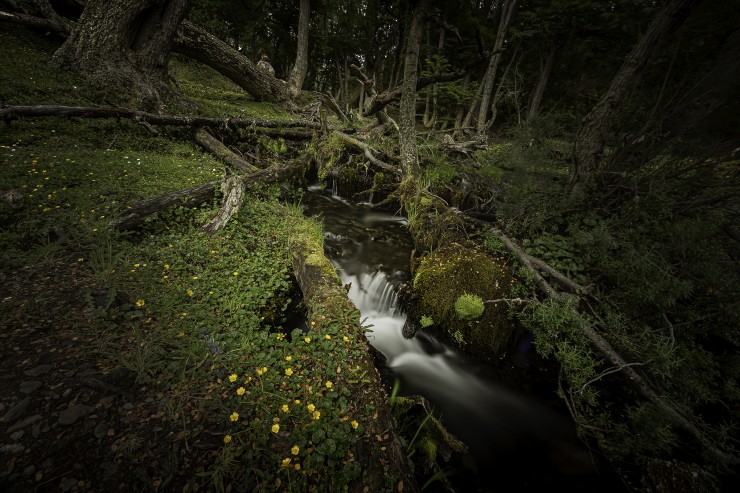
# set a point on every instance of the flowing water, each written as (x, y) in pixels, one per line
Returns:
(517, 442)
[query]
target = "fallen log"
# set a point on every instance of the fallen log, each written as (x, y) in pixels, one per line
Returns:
(614, 358)
(9, 113)
(35, 22)
(216, 147)
(378, 449)
(369, 153)
(133, 214)
(233, 190)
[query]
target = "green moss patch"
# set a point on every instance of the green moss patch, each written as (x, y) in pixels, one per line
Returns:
(455, 272)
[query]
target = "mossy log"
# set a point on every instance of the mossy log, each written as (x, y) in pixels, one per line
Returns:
(378, 450)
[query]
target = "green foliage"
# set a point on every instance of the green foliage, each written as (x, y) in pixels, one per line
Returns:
(469, 306)
(426, 321)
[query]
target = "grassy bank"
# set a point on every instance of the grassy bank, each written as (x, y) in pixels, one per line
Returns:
(222, 389)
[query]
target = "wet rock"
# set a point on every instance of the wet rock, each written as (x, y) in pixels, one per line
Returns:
(16, 411)
(66, 393)
(109, 469)
(29, 471)
(23, 423)
(17, 435)
(68, 483)
(128, 406)
(39, 370)
(12, 448)
(107, 402)
(30, 386)
(72, 414)
(100, 430)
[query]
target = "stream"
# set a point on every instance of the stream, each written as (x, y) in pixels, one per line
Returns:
(518, 438)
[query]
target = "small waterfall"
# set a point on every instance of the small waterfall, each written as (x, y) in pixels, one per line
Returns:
(373, 294)
(334, 188)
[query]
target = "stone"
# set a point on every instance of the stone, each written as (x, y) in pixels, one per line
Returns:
(100, 430)
(30, 386)
(107, 402)
(16, 411)
(39, 370)
(29, 471)
(68, 483)
(23, 423)
(12, 448)
(72, 414)
(17, 435)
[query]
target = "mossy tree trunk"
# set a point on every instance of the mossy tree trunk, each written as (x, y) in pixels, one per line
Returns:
(127, 43)
(295, 82)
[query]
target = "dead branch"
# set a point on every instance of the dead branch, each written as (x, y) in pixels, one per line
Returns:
(233, 190)
(9, 113)
(132, 215)
(222, 152)
(36, 22)
(369, 153)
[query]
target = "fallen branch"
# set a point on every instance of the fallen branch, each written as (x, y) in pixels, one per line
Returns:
(135, 213)
(217, 148)
(611, 355)
(369, 153)
(233, 189)
(36, 22)
(9, 113)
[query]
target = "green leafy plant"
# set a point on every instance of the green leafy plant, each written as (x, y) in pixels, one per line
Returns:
(426, 321)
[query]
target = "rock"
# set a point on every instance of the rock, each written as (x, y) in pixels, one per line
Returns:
(128, 406)
(68, 483)
(16, 411)
(100, 430)
(17, 435)
(12, 448)
(66, 393)
(107, 402)
(39, 370)
(30, 386)
(23, 423)
(29, 471)
(72, 414)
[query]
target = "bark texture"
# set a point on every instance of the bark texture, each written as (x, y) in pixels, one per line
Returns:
(408, 150)
(127, 43)
(589, 146)
(200, 45)
(295, 82)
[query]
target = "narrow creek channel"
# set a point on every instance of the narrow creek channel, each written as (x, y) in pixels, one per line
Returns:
(518, 441)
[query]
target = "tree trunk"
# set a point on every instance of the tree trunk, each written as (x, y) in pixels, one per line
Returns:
(507, 12)
(408, 151)
(589, 146)
(233, 190)
(430, 111)
(295, 82)
(127, 43)
(200, 45)
(539, 90)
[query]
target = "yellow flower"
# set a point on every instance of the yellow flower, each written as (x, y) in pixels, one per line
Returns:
(329, 384)
(297, 467)
(136, 265)
(316, 414)
(354, 424)
(285, 408)
(190, 292)
(289, 371)
(166, 266)
(232, 377)
(259, 372)
(295, 450)
(234, 416)
(264, 370)
(297, 401)
(311, 408)
(81, 259)
(327, 337)
(288, 358)
(280, 336)
(307, 339)
(240, 391)
(227, 438)
(286, 462)
(236, 273)
(313, 323)
(275, 428)
(345, 339)
(140, 303)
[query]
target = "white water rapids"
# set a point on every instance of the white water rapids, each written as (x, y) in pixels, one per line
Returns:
(520, 443)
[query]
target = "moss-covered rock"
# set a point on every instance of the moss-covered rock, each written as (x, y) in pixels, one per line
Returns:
(453, 272)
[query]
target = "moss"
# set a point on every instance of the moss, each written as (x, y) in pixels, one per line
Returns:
(451, 271)
(469, 307)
